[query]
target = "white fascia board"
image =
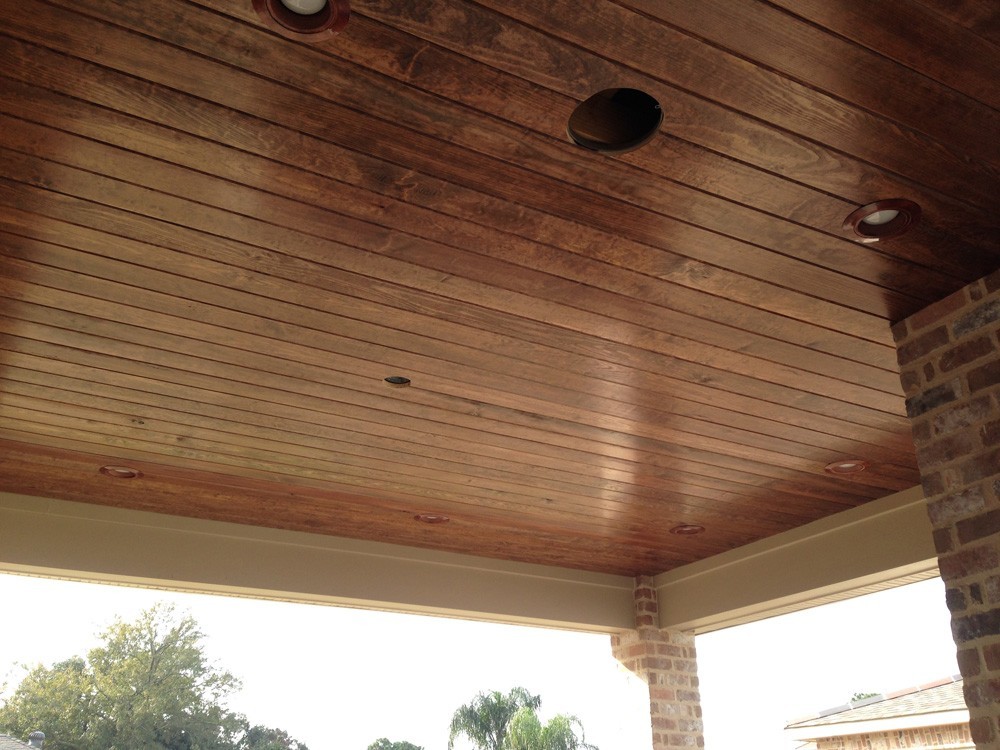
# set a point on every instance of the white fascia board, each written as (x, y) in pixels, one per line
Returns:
(879, 544)
(872, 726)
(79, 541)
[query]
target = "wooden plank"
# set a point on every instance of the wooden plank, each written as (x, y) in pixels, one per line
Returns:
(912, 35)
(726, 288)
(980, 18)
(32, 469)
(531, 301)
(405, 145)
(106, 348)
(307, 344)
(795, 39)
(704, 402)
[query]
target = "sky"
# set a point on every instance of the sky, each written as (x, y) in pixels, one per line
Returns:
(340, 678)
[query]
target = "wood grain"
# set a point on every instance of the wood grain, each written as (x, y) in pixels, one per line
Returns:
(215, 244)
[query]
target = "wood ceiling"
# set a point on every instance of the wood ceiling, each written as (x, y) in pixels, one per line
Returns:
(217, 243)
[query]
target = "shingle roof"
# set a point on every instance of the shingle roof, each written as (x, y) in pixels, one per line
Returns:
(9, 743)
(944, 695)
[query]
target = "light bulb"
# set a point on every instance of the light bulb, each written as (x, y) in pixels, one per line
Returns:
(304, 7)
(880, 217)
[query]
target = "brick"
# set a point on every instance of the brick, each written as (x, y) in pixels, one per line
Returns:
(981, 730)
(922, 345)
(978, 527)
(981, 693)
(976, 593)
(955, 600)
(910, 381)
(965, 353)
(943, 541)
(992, 282)
(962, 415)
(981, 466)
(990, 433)
(967, 562)
(958, 505)
(933, 484)
(975, 626)
(992, 588)
(968, 662)
(921, 432)
(991, 655)
(984, 377)
(981, 316)
(899, 331)
(932, 398)
(945, 450)
(929, 373)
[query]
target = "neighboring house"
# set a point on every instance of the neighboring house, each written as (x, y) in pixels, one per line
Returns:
(35, 739)
(928, 716)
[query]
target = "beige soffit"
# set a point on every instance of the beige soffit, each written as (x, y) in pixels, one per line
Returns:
(885, 542)
(94, 543)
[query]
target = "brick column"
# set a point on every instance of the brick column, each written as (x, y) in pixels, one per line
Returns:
(949, 356)
(665, 660)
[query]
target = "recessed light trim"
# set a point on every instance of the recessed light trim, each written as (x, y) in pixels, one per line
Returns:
(847, 466)
(312, 21)
(120, 472)
(614, 121)
(398, 381)
(431, 518)
(687, 529)
(882, 220)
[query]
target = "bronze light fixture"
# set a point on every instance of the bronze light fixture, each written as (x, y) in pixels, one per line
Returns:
(847, 466)
(120, 472)
(397, 380)
(312, 21)
(687, 529)
(883, 220)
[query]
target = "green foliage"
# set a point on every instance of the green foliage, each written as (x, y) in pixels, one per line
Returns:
(383, 744)
(485, 719)
(494, 721)
(861, 696)
(148, 685)
(266, 738)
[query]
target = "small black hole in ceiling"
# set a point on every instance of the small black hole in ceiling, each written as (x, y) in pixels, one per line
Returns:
(397, 380)
(615, 120)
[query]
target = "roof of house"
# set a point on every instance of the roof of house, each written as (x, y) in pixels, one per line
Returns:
(944, 695)
(9, 743)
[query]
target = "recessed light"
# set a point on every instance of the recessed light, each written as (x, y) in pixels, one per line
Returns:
(310, 21)
(431, 518)
(397, 380)
(847, 466)
(120, 472)
(883, 219)
(687, 529)
(615, 120)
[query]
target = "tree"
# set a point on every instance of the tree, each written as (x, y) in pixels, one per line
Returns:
(148, 685)
(265, 738)
(486, 718)
(526, 732)
(383, 744)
